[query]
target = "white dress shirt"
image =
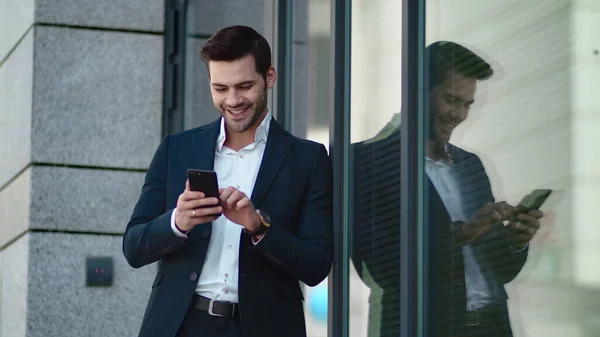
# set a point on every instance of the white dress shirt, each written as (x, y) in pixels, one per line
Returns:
(219, 277)
(442, 178)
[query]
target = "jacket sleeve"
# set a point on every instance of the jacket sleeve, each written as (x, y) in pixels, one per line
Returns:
(307, 256)
(148, 236)
(505, 262)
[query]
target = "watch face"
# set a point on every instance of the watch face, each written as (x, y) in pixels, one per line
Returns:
(265, 217)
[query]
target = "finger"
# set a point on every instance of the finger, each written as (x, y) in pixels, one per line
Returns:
(245, 202)
(521, 233)
(523, 238)
(197, 203)
(507, 210)
(520, 228)
(494, 216)
(191, 195)
(205, 219)
(525, 218)
(187, 185)
(536, 213)
(207, 211)
(224, 196)
(529, 221)
(234, 198)
(221, 190)
(503, 209)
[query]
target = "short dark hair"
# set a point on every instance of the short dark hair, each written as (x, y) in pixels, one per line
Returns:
(444, 56)
(235, 42)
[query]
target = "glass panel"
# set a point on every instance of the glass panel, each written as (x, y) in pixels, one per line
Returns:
(375, 168)
(310, 113)
(513, 108)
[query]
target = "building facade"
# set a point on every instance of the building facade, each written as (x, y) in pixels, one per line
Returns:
(88, 89)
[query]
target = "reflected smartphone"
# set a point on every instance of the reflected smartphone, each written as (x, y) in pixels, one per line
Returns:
(534, 200)
(205, 182)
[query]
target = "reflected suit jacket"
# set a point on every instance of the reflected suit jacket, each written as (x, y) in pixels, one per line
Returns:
(293, 186)
(376, 237)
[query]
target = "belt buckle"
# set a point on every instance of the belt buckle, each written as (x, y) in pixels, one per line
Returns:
(476, 319)
(211, 305)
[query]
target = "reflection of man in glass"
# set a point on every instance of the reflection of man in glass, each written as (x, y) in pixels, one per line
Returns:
(473, 252)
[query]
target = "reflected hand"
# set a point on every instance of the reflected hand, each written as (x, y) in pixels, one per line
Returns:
(483, 220)
(524, 228)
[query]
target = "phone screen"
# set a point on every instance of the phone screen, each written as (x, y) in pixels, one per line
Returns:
(534, 200)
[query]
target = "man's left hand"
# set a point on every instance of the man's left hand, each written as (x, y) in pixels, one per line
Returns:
(524, 228)
(238, 208)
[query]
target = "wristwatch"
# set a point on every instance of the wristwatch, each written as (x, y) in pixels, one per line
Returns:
(263, 226)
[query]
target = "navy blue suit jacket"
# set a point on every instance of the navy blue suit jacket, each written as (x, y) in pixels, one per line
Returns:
(293, 186)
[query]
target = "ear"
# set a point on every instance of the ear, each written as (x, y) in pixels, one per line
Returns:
(271, 77)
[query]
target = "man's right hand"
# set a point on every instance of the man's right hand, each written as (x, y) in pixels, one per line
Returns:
(483, 220)
(192, 209)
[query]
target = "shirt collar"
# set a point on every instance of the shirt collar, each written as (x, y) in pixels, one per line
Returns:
(259, 136)
(441, 162)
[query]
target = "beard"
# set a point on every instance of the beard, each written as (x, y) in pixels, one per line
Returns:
(256, 113)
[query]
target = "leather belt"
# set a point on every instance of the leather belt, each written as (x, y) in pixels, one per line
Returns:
(484, 317)
(215, 308)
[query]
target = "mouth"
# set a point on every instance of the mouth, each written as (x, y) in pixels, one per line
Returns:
(239, 113)
(446, 128)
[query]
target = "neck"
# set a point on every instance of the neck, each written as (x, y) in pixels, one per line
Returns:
(436, 151)
(239, 140)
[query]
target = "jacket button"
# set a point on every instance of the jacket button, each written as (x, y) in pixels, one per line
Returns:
(206, 233)
(193, 276)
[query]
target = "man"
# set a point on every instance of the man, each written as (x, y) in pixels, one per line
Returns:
(239, 272)
(473, 253)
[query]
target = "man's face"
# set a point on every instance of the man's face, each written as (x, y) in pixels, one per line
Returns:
(239, 92)
(450, 102)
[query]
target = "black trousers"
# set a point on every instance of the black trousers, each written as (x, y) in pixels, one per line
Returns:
(198, 323)
(497, 326)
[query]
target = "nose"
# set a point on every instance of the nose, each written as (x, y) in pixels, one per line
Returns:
(233, 99)
(460, 112)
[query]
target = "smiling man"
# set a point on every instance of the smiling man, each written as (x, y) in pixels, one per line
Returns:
(223, 274)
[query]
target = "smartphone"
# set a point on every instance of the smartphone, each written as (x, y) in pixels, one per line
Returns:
(205, 182)
(534, 200)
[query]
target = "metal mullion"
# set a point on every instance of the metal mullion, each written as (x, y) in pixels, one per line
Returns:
(174, 66)
(339, 140)
(414, 244)
(284, 62)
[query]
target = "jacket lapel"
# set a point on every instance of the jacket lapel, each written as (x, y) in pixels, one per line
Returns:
(205, 140)
(276, 150)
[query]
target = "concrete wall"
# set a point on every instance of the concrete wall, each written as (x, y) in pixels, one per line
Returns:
(80, 118)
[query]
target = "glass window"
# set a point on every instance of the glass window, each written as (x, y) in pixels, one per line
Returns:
(512, 112)
(308, 80)
(309, 115)
(374, 163)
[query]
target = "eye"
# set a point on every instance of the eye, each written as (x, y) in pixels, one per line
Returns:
(450, 99)
(245, 87)
(220, 89)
